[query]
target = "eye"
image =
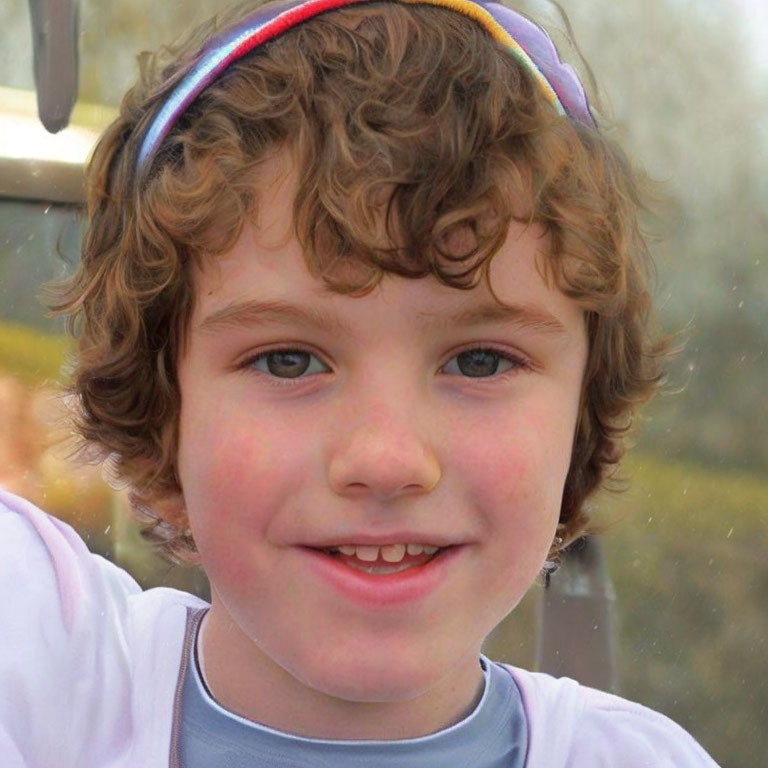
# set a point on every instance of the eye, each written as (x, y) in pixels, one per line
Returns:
(483, 363)
(284, 363)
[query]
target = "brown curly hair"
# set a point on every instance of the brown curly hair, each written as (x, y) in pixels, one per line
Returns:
(409, 110)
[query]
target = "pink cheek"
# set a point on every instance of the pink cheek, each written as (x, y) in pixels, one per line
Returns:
(241, 479)
(498, 460)
(517, 477)
(241, 452)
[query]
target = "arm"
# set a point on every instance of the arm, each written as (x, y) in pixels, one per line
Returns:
(64, 664)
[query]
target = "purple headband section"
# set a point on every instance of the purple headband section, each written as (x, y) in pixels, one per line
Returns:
(539, 46)
(274, 19)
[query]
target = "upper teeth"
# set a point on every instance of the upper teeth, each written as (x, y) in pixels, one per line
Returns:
(391, 553)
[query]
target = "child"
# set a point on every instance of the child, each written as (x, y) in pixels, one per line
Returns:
(362, 314)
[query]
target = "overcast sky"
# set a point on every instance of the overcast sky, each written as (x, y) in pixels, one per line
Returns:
(755, 14)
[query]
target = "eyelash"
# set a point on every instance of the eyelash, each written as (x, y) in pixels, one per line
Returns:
(520, 364)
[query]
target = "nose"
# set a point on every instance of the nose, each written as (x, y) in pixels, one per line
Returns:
(384, 453)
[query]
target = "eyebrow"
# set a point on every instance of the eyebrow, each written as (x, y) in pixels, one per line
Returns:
(278, 312)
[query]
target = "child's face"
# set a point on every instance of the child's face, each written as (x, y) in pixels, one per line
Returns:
(386, 437)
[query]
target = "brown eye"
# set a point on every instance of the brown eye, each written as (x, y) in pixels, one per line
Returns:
(483, 362)
(283, 363)
(290, 363)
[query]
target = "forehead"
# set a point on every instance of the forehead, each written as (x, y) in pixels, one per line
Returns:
(267, 264)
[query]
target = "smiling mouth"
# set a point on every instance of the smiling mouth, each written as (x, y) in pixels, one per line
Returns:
(379, 585)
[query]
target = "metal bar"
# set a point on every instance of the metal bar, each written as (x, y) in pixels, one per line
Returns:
(54, 42)
(576, 628)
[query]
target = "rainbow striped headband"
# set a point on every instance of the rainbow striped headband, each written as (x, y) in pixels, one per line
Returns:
(526, 41)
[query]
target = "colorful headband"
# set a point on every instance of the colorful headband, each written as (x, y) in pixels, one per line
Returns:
(526, 41)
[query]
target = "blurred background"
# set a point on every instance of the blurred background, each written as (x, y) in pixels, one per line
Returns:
(685, 84)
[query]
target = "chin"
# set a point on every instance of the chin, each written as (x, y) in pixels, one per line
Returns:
(371, 679)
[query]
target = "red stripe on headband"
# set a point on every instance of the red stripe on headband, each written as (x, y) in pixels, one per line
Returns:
(286, 21)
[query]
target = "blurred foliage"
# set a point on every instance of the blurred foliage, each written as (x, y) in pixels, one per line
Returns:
(690, 103)
(690, 567)
(35, 450)
(31, 355)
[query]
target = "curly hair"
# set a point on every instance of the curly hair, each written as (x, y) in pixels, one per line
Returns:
(408, 110)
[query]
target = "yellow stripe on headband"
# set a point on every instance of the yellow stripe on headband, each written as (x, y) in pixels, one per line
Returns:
(500, 35)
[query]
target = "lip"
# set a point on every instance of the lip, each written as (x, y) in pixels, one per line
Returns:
(385, 590)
